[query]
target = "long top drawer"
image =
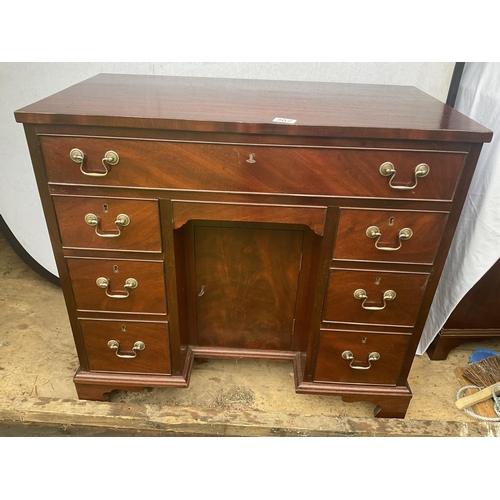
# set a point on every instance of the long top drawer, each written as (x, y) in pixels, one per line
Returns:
(319, 171)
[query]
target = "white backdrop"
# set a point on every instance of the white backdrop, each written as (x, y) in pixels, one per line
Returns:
(476, 245)
(23, 83)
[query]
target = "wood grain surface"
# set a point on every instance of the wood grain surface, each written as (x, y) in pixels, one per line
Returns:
(155, 358)
(277, 169)
(330, 366)
(352, 243)
(250, 106)
(148, 297)
(249, 279)
(142, 234)
(314, 217)
(342, 306)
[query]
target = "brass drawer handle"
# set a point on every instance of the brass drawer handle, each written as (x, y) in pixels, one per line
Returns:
(361, 295)
(130, 283)
(404, 235)
(138, 346)
(373, 356)
(122, 220)
(110, 158)
(388, 168)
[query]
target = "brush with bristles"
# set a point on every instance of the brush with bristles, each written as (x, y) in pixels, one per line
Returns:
(484, 373)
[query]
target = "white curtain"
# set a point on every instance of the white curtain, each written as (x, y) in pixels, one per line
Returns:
(476, 245)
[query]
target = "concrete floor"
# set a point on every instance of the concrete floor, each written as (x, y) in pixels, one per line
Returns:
(38, 360)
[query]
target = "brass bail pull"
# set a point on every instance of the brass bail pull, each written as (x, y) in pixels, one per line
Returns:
(387, 169)
(404, 235)
(130, 283)
(360, 294)
(138, 346)
(122, 220)
(349, 356)
(110, 158)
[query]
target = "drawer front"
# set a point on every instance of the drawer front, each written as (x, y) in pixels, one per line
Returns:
(341, 304)
(272, 169)
(108, 223)
(389, 235)
(138, 347)
(359, 357)
(148, 296)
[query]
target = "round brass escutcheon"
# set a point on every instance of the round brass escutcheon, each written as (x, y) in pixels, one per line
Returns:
(91, 220)
(387, 168)
(102, 282)
(139, 346)
(373, 232)
(76, 155)
(422, 170)
(132, 283)
(405, 234)
(122, 220)
(111, 158)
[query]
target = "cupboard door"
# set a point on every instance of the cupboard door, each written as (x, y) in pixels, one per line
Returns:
(247, 281)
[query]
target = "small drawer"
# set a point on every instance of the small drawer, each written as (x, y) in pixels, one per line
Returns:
(108, 223)
(360, 357)
(389, 235)
(126, 346)
(374, 297)
(257, 169)
(118, 285)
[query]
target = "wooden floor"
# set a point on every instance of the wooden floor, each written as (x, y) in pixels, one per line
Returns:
(225, 398)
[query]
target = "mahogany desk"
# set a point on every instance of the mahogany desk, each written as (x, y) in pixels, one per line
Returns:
(200, 217)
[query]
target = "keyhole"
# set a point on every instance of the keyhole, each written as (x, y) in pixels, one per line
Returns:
(115, 268)
(391, 221)
(105, 208)
(378, 280)
(363, 340)
(124, 328)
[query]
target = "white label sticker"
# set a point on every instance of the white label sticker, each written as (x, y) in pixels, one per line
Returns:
(284, 120)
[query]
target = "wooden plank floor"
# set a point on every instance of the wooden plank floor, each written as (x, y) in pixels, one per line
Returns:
(225, 398)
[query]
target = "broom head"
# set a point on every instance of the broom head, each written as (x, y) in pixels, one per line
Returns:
(485, 372)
